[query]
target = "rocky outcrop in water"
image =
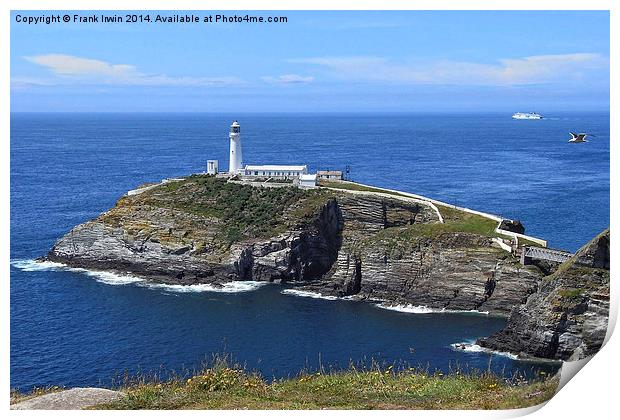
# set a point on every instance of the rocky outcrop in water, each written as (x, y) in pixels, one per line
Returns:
(370, 246)
(165, 251)
(567, 318)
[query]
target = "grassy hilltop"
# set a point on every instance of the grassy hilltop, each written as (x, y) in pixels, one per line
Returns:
(202, 203)
(244, 212)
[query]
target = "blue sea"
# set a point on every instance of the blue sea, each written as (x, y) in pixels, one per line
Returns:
(77, 328)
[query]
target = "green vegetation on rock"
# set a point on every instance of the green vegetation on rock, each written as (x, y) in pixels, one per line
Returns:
(570, 292)
(238, 211)
(460, 221)
(247, 211)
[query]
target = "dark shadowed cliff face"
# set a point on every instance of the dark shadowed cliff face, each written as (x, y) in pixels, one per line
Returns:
(567, 319)
(344, 243)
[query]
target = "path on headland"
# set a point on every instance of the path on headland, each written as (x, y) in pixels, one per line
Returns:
(434, 203)
(70, 399)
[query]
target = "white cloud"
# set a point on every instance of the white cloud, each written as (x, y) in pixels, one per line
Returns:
(78, 69)
(76, 66)
(288, 79)
(516, 71)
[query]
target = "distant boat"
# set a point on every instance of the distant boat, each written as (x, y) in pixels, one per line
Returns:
(526, 116)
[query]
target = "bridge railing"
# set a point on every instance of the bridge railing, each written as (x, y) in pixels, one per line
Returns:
(529, 253)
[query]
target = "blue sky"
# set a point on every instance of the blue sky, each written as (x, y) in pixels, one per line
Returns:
(318, 62)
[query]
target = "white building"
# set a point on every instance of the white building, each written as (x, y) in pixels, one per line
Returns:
(212, 167)
(307, 180)
(236, 162)
(276, 171)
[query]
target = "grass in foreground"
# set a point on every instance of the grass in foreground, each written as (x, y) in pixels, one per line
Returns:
(223, 387)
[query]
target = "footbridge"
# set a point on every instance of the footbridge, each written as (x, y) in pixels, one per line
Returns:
(529, 253)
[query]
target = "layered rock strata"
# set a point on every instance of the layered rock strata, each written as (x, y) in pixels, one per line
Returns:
(567, 319)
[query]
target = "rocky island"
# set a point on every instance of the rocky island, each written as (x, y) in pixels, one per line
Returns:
(347, 240)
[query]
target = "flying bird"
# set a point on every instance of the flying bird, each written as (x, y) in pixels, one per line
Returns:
(578, 138)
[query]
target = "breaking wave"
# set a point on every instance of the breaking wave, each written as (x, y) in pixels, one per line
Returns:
(230, 287)
(412, 309)
(475, 348)
(421, 309)
(305, 293)
(33, 265)
(117, 279)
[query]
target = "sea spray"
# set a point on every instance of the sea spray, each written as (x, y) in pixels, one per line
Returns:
(472, 347)
(308, 294)
(421, 309)
(117, 279)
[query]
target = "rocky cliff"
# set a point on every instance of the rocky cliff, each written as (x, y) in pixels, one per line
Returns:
(205, 230)
(345, 243)
(453, 266)
(567, 318)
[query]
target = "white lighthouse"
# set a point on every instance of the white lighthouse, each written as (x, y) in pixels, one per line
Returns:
(235, 163)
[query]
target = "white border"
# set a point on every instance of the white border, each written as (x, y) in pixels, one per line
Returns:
(593, 394)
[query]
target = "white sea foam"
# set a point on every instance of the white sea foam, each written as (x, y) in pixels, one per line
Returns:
(118, 279)
(421, 309)
(475, 348)
(412, 309)
(305, 293)
(33, 265)
(229, 287)
(107, 277)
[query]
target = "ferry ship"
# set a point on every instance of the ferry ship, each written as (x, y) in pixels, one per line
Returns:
(526, 116)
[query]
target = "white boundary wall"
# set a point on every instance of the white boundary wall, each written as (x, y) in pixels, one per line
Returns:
(518, 236)
(149, 187)
(432, 202)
